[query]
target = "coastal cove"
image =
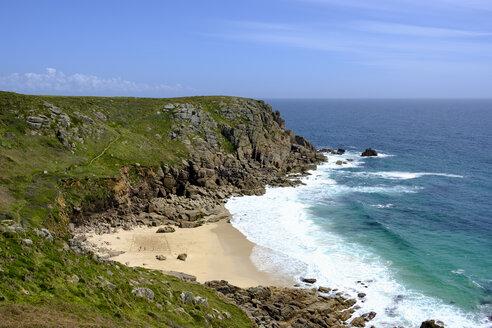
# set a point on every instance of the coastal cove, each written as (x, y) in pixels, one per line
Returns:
(136, 205)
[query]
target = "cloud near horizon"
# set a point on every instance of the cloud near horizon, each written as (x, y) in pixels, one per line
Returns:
(56, 82)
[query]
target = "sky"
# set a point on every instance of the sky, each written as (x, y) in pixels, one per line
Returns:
(254, 48)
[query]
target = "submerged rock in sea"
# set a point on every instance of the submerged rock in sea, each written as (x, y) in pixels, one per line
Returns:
(432, 324)
(369, 152)
(308, 280)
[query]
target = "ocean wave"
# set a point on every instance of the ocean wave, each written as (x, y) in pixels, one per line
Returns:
(291, 243)
(398, 175)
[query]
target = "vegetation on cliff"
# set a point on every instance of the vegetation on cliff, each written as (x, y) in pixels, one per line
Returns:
(66, 160)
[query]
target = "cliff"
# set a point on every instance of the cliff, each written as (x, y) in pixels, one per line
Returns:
(72, 164)
(121, 152)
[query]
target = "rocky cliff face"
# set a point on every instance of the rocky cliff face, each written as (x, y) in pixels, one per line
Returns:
(236, 148)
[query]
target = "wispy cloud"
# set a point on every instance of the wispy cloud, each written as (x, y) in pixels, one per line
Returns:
(365, 38)
(262, 25)
(53, 81)
(415, 30)
(402, 5)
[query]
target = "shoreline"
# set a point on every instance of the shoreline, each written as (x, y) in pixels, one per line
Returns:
(215, 251)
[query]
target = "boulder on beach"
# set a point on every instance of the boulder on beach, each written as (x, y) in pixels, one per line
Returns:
(182, 256)
(166, 229)
(369, 152)
(160, 257)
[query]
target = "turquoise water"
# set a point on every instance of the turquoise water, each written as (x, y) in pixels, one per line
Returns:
(411, 228)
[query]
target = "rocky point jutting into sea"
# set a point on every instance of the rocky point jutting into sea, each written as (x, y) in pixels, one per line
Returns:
(231, 147)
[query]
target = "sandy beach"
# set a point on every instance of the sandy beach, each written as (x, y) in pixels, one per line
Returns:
(214, 251)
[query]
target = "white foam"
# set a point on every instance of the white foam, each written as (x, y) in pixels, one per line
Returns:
(397, 175)
(381, 155)
(289, 242)
(458, 271)
(383, 205)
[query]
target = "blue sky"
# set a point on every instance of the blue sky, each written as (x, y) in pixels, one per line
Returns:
(260, 49)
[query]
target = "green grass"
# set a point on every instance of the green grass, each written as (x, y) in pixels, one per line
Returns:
(39, 276)
(31, 166)
(42, 180)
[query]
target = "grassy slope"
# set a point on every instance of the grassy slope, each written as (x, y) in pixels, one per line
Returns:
(130, 132)
(34, 282)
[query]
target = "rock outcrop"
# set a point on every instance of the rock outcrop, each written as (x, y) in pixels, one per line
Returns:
(432, 324)
(369, 152)
(237, 149)
(289, 307)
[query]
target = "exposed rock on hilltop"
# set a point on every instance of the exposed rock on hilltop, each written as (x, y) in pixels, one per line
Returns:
(235, 148)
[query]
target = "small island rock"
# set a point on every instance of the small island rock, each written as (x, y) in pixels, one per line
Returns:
(369, 152)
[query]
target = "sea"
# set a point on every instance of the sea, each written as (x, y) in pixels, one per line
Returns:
(410, 228)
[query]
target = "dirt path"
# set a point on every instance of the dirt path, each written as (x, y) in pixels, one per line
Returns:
(105, 149)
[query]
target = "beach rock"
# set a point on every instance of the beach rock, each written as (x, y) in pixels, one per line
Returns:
(369, 152)
(432, 324)
(361, 321)
(361, 295)
(340, 151)
(160, 257)
(143, 292)
(189, 224)
(358, 322)
(166, 229)
(187, 298)
(308, 280)
(274, 307)
(324, 289)
(339, 162)
(182, 256)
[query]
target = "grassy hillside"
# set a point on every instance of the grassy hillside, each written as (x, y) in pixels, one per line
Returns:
(106, 134)
(44, 284)
(58, 148)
